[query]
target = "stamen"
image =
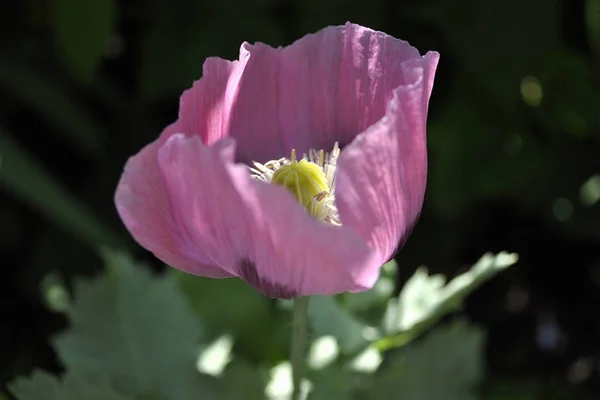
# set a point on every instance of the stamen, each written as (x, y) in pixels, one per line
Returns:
(311, 180)
(320, 196)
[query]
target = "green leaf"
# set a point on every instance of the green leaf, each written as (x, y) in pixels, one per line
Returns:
(425, 299)
(136, 329)
(447, 364)
(22, 175)
(231, 306)
(326, 318)
(334, 382)
(82, 31)
(244, 381)
(43, 386)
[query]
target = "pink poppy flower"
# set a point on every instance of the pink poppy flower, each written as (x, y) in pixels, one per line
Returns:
(219, 193)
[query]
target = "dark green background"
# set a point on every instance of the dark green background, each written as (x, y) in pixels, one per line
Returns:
(84, 85)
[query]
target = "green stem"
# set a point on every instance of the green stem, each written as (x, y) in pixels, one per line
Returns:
(299, 326)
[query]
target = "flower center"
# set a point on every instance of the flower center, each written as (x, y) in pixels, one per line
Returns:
(311, 181)
(304, 179)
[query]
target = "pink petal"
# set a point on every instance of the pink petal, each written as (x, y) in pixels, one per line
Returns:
(300, 253)
(326, 87)
(204, 109)
(146, 210)
(184, 198)
(258, 231)
(381, 175)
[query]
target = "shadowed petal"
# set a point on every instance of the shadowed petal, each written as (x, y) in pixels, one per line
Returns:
(146, 210)
(205, 203)
(259, 231)
(382, 174)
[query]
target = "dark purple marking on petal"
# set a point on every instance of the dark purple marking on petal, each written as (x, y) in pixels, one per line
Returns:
(247, 271)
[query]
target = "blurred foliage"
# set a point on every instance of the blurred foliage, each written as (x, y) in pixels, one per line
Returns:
(424, 299)
(135, 330)
(514, 144)
(451, 357)
(327, 318)
(133, 335)
(247, 315)
(43, 386)
(82, 33)
(27, 179)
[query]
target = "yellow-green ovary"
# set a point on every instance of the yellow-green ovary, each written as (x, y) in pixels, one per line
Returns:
(303, 179)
